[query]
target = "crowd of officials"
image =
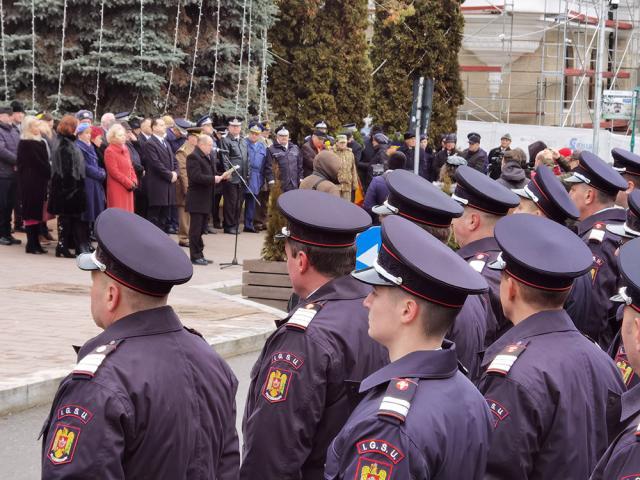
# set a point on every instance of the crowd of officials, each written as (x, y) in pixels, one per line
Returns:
(496, 334)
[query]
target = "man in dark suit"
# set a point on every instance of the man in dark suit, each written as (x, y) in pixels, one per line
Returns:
(202, 177)
(162, 173)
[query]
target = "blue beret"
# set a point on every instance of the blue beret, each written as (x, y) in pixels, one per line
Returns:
(321, 219)
(475, 189)
(540, 253)
(547, 192)
(136, 253)
(593, 171)
(418, 200)
(415, 261)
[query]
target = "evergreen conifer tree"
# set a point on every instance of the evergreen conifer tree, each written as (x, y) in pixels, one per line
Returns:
(321, 70)
(125, 74)
(416, 38)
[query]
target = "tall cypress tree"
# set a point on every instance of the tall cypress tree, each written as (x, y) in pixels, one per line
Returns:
(321, 70)
(418, 38)
(125, 74)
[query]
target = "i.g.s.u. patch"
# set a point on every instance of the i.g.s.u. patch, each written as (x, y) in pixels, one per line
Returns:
(498, 411)
(277, 384)
(287, 357)
(63, 444)
(376, 445)
(373, 470)
(75, 411)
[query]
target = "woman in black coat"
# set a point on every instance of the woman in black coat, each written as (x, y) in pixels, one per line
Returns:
(202, 177)
(67, 195)
(34, 172)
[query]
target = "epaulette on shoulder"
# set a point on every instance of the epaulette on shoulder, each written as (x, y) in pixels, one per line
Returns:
(503, 362)
(478, 261)
(597, 233)
(397, 399)
(90, 363)
(301, 318)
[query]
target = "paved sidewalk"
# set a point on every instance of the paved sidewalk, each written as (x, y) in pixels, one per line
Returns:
(45, 309)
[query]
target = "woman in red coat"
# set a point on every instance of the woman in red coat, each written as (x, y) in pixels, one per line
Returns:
(121, 177)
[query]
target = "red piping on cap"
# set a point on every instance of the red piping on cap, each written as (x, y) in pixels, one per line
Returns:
(563, 289)
(424, 222)
(309, 242)
(137, 289)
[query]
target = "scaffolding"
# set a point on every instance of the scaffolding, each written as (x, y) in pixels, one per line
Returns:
(534, 62)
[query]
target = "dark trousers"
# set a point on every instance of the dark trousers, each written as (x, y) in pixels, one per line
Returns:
(260, 218)
(18, 221)
(249, 210)
(173, 216)
(196, 245)
(140, 203)
(232, 204)
(158, 216)
(215, 209)
(7, 202)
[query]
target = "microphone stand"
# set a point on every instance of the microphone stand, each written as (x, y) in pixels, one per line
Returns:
(235, 262)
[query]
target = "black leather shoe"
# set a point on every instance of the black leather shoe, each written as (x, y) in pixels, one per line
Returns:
(231, 231)
(184, 244)
(199, 261)
(5, 241)
(14, 240)
(250, 230)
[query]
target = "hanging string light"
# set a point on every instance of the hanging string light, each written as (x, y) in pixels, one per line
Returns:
(244, 14)
(263, 77)
(173, 53)
(4, 57)
(215, 58)
(64, 31)
(195, 56)
(246, 107)
(135, 102)
(33, 55)
(95, 106)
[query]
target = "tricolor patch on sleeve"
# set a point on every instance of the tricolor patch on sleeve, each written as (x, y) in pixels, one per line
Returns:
(63, 444)
(373, 470)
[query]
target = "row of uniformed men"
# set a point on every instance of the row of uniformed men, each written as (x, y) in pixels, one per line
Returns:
(362, 379)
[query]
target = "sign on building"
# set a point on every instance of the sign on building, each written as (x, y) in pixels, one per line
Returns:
(617, 105)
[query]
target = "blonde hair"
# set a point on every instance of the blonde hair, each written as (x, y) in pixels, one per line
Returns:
(112, 132)
(26, 128)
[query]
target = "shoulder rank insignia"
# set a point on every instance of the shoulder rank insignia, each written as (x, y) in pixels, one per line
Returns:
(479, 261)
(302, 317)
(89, 365)
(506, 358)
(397, 399)
(596, 234)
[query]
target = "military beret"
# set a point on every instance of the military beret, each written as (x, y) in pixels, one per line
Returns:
(625, 161)
(629, 265)
(547, 192)
(415, 261)
(320, 219)
(540, 253)
(475, 189)
(631, 227)
(136, 253)
(593, 171)
(418, 200)
(473, 137)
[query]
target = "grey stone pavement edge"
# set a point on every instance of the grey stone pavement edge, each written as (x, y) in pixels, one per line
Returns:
(45, 310)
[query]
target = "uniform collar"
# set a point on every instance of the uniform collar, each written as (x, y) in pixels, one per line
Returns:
(630, 403)
(139, 324)
(421, 364)
(341, 288)
(483, 245)
(547, 321)
(612, 214)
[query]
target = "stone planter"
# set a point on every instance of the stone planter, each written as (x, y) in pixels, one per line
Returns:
(266, 282)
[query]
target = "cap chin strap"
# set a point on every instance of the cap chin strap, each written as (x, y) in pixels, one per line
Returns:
(532, 195)
(101, 266)
(386, 275)
(458, 199)
(631, 231)
(581, 177)
(390, 207)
